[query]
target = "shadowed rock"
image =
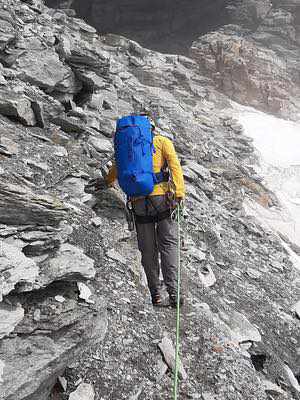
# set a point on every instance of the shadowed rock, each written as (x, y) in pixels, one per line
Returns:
(42, 359)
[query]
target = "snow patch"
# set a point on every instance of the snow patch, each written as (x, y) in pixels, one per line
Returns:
(278, 144)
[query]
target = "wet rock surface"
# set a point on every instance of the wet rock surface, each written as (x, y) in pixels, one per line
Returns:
(74, 298)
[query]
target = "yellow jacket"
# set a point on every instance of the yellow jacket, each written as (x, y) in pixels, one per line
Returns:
(164, 152)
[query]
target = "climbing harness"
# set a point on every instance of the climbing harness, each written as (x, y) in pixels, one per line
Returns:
(130, 216)
(177, 216)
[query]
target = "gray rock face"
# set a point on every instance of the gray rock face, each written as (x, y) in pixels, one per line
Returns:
(25, 207)
(296, 309)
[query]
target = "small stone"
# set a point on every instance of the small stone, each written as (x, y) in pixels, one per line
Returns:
(60, 299)
(253, 273)
(125, 300)
(79, 381)
(296, 309)
(85, 391)
(97, 221)
(197, 254)
(207, 276)
(161, 369)
(37, 315)
(207, 396)
(85, 293)
(127, 342)
(63, 383)
(291, 378)
(114, 255)
(38, 165)
(168, 351)
(245, 346)
(272, 387)
(60, 151)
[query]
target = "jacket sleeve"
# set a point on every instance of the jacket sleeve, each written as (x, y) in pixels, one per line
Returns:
(112, 175)
(174, 167)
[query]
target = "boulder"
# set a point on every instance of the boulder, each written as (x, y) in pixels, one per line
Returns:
(70, 124)
(9, 318)
(16, 269)
(69, 264)
(18, 107)
(85, 391)
(102, 145)
(241, 329)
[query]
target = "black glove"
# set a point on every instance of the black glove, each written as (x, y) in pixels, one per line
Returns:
(95, 185)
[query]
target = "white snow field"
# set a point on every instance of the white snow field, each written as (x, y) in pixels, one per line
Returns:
(278, 143)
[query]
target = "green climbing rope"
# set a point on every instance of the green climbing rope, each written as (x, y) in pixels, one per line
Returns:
(178, 215)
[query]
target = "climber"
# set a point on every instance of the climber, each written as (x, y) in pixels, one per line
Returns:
(156, 232)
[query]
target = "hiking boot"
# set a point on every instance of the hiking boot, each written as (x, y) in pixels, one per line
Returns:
(156, 300)
(173, 300)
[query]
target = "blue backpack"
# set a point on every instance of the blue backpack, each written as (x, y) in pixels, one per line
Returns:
(133, 154)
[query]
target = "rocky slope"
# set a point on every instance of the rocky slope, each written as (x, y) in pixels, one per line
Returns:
(62, 88)
(249, 48)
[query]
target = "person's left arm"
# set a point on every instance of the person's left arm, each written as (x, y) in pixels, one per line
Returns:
(170, 155)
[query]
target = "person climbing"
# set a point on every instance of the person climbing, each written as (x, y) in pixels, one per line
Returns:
(149, 172)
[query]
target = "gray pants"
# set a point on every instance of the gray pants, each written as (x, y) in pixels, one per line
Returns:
(156, 239)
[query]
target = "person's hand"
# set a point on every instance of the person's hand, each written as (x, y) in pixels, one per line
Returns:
(95, 185)
(100, 184)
